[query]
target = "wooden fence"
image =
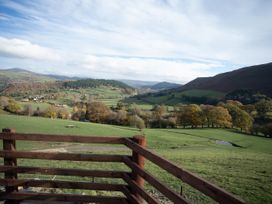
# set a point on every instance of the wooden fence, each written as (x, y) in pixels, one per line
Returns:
(132, 191)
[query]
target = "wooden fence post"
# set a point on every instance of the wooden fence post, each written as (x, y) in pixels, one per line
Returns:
(139, 160)
(10, 145)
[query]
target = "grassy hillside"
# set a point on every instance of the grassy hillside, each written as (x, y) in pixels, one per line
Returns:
(257, 78)
(173, 97)
(108, 95)
(245, 171)
(19, 75)
(8, 76)
(200, 93)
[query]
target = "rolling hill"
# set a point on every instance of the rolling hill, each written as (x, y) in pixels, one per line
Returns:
(19, 82)
(163, 86)
(17, 75)
(256, 78)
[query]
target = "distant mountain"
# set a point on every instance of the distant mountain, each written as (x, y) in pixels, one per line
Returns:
(19, 75)
(255, 78)
(138, 83)
(62, 78)
(25, 75)
(164, 86)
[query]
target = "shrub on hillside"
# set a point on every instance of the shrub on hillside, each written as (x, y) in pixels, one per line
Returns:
(63, 113)
(3, 102)
(13, 107)
(136, 121)
(97, 112)
(51, 112)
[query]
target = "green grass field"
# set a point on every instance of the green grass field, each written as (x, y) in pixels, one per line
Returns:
(35, 105)
(175, 97)
(246, 171)
(200, 93)
(109, 96)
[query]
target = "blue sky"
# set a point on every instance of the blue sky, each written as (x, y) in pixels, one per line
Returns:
(158, 40)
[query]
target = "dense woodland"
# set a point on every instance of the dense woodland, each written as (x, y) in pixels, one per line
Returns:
(93, 83)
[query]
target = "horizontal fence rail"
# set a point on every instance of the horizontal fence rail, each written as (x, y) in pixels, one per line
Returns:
(61, 156)
(62, 197)
(62, 138)
(61, 171)
(132, 191)
(61, 184)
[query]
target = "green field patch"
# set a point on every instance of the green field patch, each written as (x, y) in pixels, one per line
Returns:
(202, 93)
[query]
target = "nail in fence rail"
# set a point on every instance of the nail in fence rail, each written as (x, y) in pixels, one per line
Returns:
(133, 191)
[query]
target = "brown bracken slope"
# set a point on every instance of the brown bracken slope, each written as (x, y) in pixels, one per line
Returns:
(257, 78)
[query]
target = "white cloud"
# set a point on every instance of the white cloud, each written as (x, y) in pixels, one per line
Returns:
(195, 34)
(24, 49)
(146, 69)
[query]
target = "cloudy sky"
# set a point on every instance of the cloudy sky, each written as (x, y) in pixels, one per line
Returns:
(172, 40)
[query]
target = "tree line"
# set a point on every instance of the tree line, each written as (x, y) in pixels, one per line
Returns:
(252, 118)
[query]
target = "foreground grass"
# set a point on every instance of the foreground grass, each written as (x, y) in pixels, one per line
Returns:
(246, 171)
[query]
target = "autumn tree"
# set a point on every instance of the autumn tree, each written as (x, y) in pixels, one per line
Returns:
(220, 117)
(206, 115)
(79, 111)
(158, 112)
(13, 107)
(122, 117)
(63, 113)
(136, 121)
(172, 122)
(112, 118)
(97, 112)
(234, 103)
(250, 109)
(134, 109)
(188, 115)
(264, 111)
(4, 101)
(240, 118)
(51, 112)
